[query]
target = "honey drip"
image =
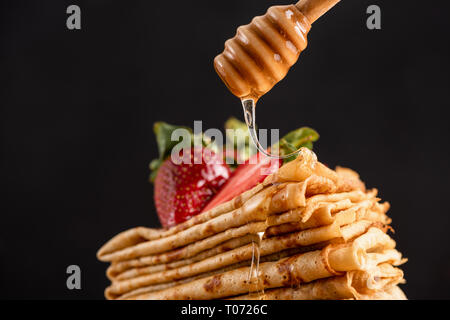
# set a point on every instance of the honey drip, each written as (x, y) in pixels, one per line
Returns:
(249, 106)
(256, 286)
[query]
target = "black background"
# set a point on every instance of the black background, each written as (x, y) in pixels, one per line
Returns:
(77, 109)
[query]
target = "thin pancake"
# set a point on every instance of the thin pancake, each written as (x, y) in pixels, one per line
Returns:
(305, 267)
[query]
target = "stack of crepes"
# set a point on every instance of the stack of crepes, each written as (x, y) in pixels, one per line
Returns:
(324, 236)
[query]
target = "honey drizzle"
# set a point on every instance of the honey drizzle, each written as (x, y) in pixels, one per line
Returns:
(249, 106)
(256, 287)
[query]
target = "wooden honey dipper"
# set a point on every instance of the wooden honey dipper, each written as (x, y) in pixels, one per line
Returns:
(262, 52)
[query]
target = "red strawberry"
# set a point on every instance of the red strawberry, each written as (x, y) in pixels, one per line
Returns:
(245, 177)
(183, 190)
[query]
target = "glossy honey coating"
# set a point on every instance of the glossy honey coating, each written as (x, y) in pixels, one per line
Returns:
(262, 52)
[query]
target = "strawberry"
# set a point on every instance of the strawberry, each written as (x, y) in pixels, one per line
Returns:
(183, 190)
(245, 177)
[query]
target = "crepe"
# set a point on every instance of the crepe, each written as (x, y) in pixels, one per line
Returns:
(393, 293)
(343, 227)
(267, 246)
(325, 214)
(204, 248)
(305, 267)
(273, 257)
(131, 268)
(352, 285)
(302, 167)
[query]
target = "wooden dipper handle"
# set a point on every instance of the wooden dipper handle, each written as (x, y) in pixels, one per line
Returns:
(314, 9)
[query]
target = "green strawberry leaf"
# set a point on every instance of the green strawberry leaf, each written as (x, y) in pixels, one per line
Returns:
(163, 132)
(303, 137)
